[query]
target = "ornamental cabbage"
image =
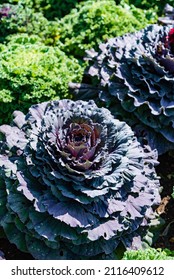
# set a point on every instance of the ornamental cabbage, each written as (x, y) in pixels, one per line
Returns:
(75, 182)
(134, 76)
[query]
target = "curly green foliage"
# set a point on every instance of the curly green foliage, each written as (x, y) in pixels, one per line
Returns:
(147, 4)
(31, 72)
(50, 8)
(149, 254)
(55, 8)
(22, 19)
(95, 21)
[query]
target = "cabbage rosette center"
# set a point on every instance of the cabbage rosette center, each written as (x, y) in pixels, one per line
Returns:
(75, 182)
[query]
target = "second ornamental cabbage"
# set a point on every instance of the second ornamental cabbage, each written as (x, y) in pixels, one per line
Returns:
(133, 76)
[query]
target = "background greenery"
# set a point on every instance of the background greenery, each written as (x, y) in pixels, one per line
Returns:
(149, 254)
(40, 67)
(157, 5)
(92, 22)
(21, 19)
(31, 72)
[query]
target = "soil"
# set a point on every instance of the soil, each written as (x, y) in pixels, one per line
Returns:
(166, 209)
(11, 252)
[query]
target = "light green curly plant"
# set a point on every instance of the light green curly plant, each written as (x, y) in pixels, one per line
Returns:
(31, 72)
(50, 8)
(20, 18)
(149, 254)
(92, 22)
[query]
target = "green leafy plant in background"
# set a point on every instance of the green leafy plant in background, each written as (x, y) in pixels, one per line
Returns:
(31, 72)
(149, 254)
(92, 22)
(84, 27)
(157, 5)
(146, 4)
(21, 19)
(50, 8)
(55, 8)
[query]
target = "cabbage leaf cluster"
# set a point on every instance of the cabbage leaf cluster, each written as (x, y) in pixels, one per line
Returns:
(134, 76)
(75, 182)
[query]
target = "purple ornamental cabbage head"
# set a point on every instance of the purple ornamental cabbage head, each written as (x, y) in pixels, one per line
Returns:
(133, 76)
(75, 182)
